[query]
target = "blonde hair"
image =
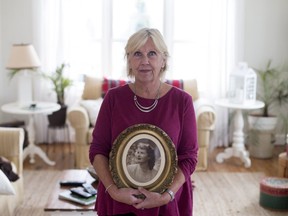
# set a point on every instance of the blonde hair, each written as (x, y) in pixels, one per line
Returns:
(139, 38)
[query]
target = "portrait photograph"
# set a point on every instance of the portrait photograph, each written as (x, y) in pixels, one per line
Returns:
(143, 156)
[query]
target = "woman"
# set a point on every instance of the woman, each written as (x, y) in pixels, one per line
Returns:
(146, 100)
(143, 168)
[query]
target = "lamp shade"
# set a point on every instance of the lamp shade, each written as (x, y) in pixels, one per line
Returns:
(23, 56)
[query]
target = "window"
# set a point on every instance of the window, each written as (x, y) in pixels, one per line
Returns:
(93, 34)
(203, 38)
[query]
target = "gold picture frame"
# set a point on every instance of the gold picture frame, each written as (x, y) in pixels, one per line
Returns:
(129, 143)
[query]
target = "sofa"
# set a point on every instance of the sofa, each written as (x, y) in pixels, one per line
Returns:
(81, 117)
(11, 148)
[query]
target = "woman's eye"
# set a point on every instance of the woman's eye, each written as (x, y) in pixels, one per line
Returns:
(137, 54)
(152, 53)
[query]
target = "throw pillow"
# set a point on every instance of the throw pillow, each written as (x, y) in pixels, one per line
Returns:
(92, 88)
(111, 83)
(6, 167)
(92, 107)
(5, 185)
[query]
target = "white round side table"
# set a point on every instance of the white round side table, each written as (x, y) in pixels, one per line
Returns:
(238, 146)
(37, 108)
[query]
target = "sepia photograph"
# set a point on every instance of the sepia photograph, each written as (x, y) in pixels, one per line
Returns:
(143, 156)
(143, 161)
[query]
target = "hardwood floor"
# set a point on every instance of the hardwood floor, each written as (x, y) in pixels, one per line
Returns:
(64, 158)
(267, 166)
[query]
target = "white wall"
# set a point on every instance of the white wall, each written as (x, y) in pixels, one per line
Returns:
(266, 32)
(16, 27)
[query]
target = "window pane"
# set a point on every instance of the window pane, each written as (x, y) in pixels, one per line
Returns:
(81, 31)
(190, 60)
(191, 41)
(118, 61)
(195, 15)
(128, 17)
(131, 15)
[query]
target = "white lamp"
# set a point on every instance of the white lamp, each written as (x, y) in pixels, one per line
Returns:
(23, 57)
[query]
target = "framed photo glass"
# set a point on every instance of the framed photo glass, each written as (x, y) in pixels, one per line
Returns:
(143, 155)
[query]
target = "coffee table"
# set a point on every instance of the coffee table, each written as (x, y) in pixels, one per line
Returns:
(56, 206)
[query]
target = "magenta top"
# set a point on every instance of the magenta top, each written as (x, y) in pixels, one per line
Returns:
(175, 115)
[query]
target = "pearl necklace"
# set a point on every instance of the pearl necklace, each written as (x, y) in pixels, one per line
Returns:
(149, 108)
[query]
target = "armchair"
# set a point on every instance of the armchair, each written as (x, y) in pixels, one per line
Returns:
(11, 147)
(94, 89)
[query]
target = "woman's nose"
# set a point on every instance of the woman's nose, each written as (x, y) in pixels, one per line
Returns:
(145, 59)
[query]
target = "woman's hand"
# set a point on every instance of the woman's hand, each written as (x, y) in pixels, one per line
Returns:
(153, 199)
(125, 195)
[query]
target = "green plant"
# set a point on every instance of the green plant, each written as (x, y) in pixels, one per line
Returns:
(13, 72)
(272, 87)
(59, 82)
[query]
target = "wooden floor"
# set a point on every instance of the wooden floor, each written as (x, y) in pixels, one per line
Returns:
(64, 158)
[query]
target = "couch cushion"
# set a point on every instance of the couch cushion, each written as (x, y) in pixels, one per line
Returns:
(176, 83)
(8, 169)
(92, 107)
(111, 83)
(95, 88)
(5, 185)
(190, 86)
(92, 88)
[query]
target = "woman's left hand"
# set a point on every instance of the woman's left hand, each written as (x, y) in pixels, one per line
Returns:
(152, 199)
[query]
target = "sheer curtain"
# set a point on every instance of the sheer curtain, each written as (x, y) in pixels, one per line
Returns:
(204, 40)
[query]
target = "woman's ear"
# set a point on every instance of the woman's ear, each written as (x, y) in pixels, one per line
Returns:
(164, 63)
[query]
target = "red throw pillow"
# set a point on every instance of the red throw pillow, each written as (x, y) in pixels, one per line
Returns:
(111, 83)
(176, 83)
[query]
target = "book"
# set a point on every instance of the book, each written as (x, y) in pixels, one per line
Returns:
(68, 195)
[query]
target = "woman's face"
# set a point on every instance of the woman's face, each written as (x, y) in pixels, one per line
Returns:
(141, 155)
(146, 63)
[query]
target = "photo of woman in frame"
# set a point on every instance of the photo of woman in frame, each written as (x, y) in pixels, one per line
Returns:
(142, 160)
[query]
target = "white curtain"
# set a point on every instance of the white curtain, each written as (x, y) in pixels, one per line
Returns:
(49, 35)
(232, 51)
(224, 46)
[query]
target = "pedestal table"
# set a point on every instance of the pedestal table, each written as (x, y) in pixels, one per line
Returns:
(238, 146)
(32, 110)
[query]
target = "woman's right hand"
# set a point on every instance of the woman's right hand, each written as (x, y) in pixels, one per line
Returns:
(125, 195)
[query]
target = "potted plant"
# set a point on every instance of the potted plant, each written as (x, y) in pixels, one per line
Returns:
(60, 84)
(272, 90)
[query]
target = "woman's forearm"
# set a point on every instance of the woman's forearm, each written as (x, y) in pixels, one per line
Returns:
(101, 166)
(178, 181)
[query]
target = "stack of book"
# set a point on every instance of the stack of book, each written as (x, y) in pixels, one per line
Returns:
(68, 195)
(85, 194)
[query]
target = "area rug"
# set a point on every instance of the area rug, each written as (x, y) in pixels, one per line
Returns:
(215, 193)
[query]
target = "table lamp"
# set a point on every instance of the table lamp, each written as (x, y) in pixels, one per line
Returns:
(23, 58)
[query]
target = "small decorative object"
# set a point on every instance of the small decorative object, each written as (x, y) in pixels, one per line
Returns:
(33, 106)
(242, 85)
(156, 171)
(274, 193)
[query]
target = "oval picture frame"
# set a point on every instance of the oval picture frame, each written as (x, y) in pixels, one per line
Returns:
(125, 172)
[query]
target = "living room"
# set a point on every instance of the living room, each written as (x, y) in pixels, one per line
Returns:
(260, 34)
